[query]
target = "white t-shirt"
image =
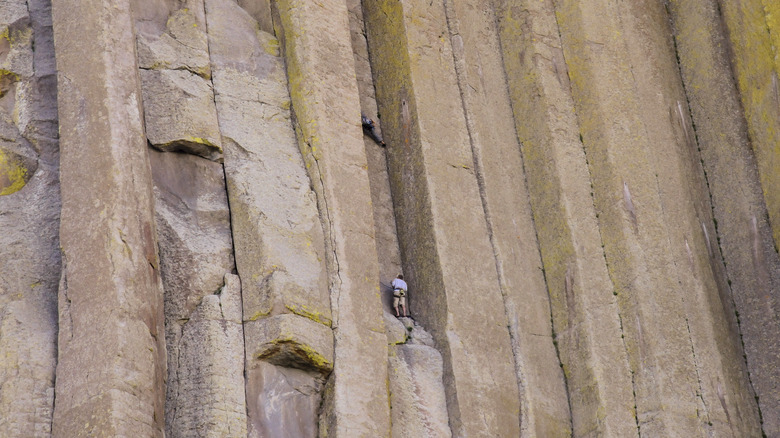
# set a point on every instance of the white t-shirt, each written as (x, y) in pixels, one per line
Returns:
(399, 284)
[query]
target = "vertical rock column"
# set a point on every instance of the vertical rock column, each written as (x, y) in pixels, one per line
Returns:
(744, 236)
(111, 363)
(276, 227)
(650, 195)
(317, 47)
(29, 219)
(501, 179)
(417, 399)
(205, 345)
(444, 236)
(753, 28)
(584, 309)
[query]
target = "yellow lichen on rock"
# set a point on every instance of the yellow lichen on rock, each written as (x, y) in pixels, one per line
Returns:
(13, 174)
(752, 31)
(306, 312)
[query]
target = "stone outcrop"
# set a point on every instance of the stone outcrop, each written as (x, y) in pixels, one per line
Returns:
(110, 297)
(206, 395)
(196, 252)
(745, 148)
(422, 116)
(197, 237)
(179, 109)
(651, 228)
(277, 231)
(327, 117)
(417, 400)
(587, 327)
(29, 219)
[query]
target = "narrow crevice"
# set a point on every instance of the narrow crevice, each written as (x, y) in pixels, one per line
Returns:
(709, 193)
(700, 390)
(206, 16)
(603, 253)
(187, 69)
(461, 73)
(319, 189)
(327, 226)
(619, 312)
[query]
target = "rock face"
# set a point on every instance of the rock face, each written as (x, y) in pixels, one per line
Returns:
(197, 236)
(29, 219)
(110, 297)
(417, 399)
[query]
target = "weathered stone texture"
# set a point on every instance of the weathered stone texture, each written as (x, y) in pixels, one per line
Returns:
(196, 251)
(417, 399)
(287, 401)
(172, 36)
(178, 98)
(209, 392)
(444, 236)
(649, 192)
(585, 313)
(388, 252)
(327, 110)
(743, 237)
(581, 194)
(752, 27)
(111, 367)
(501, 178)
(29, 220)
(180, 112)
(276, 227)
(418, 404)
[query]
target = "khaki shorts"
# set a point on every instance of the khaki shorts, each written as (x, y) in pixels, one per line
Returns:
(399, 297)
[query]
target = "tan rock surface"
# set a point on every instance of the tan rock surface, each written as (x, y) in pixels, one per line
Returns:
(682, 363)
(180, 113)
(287, 402)
(111, 358)
(444, 239)
(579, 193)
(29, 220)
(327, 111)
(585, 313)
(276, 228)
(417, 403)
(210, 398)
(741, 235)
(196, 251)
(501, 178)
(752, 27)
(178, 99)
(388, 252)
(292, 341)
(172, 36)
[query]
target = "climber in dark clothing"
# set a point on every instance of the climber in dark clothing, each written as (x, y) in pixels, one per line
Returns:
(370, 129)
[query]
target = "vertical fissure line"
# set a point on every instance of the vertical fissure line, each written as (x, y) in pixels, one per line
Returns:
(700, 392)
(711, 202)
(335, 281)
(533, 224)
(230, 211)
(601, 236)
(461, 74)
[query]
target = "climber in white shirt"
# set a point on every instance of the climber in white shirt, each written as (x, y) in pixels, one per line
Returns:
(399, 295)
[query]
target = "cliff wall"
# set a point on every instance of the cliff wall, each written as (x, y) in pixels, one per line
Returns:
(198, 235)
